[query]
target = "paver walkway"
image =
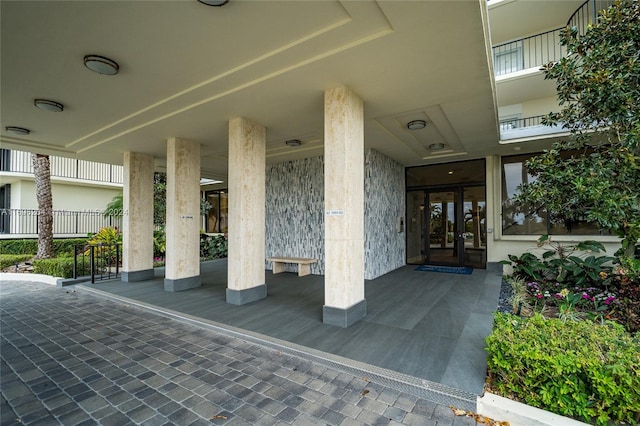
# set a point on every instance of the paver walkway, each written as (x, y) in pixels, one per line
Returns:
(72, 358)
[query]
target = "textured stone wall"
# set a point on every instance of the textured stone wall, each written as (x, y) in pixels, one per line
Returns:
(384, 203)
(295, 213)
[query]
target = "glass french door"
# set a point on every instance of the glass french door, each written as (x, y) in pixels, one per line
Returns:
(447, 226)
(443, 226)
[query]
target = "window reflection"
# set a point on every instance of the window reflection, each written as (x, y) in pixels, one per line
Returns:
(217, 217)
(525, 220)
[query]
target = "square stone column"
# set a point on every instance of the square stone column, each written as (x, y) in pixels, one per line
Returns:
(182, 264)
(137, 217)
(247, 155)
(344, 207)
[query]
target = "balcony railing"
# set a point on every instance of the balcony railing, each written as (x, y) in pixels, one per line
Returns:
(587, 14)
(528, 52)
(537, 50)
(527, 127)
(20, 162)
(65, 222)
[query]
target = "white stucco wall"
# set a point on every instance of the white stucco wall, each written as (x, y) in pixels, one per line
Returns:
(65, 196)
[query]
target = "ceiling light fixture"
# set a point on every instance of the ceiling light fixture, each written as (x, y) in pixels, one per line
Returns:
(436, 146)
(18, 131)
(216, 3)
(293, 142)
(416, 125)
(101, 65)
(48, 105)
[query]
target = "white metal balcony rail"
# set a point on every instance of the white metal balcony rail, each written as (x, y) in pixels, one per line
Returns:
(65, 222)
(20, 162)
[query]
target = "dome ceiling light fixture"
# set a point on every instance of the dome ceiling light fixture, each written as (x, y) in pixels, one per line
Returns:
(17, 131)
(101, 65)
(293, 142)
(436, 146)
(48, 105)
(216, 3)
(416, 125)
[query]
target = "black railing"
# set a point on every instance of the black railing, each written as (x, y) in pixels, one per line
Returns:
(97, 261)
(20, 162)
(25, 221)
(528, 52)
(587, 14)
(518, 123)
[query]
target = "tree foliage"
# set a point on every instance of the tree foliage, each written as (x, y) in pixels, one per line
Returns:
(595, 174)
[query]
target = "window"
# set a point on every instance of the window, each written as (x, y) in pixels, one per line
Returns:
(217, 217)
(508, 58)
(522, 220)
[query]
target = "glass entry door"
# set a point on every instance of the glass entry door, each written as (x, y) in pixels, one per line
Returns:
(447, 226)
(444, 230)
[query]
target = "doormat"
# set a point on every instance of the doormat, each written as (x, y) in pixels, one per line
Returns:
(448, 269)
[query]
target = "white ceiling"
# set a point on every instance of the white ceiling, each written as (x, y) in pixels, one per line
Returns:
(186, 69)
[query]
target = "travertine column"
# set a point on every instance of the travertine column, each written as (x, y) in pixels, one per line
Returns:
(344, 207)
(247, 155)
(182, 266)
(137, 217)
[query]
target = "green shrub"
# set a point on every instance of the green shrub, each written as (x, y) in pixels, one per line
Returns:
(61, 266)
(7, 260)
(577, 369)
(61, 247)
(213, 247)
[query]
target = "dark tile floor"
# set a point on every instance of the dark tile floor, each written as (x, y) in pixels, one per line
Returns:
(71, 358)
(423, 324)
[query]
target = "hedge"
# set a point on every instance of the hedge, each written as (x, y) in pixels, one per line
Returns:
(580, 369)
(7, 260)
(60, 267)
(61, 247)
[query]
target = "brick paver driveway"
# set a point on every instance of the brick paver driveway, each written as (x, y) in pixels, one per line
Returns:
(72, 358)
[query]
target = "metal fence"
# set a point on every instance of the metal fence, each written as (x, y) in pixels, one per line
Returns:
(20, 162)
(98, 261)
(25, 221)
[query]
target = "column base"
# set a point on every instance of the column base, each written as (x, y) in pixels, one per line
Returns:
(344, 317)
(131, 276)
(182, 283)
(248, 295)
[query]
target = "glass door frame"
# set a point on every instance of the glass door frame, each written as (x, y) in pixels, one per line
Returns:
(459, 215)
(458, 222)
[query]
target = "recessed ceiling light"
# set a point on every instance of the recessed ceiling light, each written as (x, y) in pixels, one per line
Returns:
(101, 65)
(436, 146)
(293, 142)
(48, 105)
(18, 131)
(450, 172)
(214, 2)
(416, 125)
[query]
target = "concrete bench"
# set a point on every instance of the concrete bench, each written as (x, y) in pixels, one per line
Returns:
(304, 264)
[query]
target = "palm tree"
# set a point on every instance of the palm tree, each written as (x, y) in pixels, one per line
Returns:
(42, 173)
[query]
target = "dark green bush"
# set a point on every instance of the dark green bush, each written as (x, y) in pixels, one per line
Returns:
(61, 247)
(7, 260)
(61, 266)
(577, 369)
(213, 247)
